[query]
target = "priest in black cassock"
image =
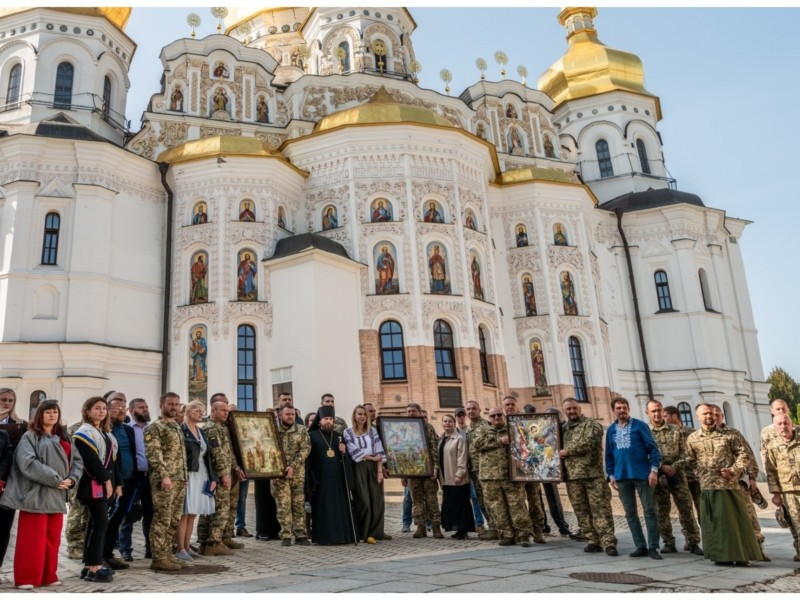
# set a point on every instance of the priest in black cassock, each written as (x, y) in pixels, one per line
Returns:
(328, 465)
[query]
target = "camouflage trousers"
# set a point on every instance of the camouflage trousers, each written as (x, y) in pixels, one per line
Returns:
(167, 511)
(234, 505)
(591, 501)
(424, 500)
(77, 523)
(474, 477)
(289, 497)
(791, 503)
(506, 501)
(683, 501)
(694, 490)
(751, 512)
(533, 493)
(211, 529)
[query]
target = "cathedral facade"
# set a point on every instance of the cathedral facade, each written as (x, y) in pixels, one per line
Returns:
(297, 214)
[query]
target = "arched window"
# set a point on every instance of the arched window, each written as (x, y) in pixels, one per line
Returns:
(704, 290)
(604, 158)
(443, 350)
(37, 398)
(662, 291)
(685, 414)
(483, 356)
(246, 367)
(643, 157)
(578, 372)
(14, 82)
(393, 357)
(106, 97)
(726, 410)
(52, 226)
(344, 57)
(62, 98)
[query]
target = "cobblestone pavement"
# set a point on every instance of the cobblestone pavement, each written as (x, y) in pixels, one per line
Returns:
(428, 565)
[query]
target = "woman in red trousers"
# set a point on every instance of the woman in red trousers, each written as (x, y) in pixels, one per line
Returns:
(46, 465)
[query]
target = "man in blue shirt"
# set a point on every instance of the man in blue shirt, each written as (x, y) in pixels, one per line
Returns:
(632, 461)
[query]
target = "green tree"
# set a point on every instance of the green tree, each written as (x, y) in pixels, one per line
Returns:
(785, 387)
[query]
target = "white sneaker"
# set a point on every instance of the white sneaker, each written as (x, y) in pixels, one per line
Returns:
(55, 583)
(183, 555)
(25, 586)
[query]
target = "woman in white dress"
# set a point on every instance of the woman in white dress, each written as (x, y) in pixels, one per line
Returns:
(202, 479)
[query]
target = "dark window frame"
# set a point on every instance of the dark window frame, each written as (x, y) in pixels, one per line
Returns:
(483, 356)
(576, 362)
(106, 97)
(684, 411)
(641, 149)
(444, 350)
(14, 87)
(393, 353)
(246, 373)
(604, 158)
(65, 78)
(662, 291)
(52, 232)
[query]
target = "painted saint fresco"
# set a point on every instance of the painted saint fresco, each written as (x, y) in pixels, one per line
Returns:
(200, 215)
(330, 219)
(432, 212)
(475, 272)
(559, 238)
(437, 266)
(381, 211)
(198, 291)
(198, 363)
(246, 211)
(470, 222)
(247, 277)
(529, 296)
(386, 277)
(282, 218)
(522, 236)
(539, 372)
(568, 294)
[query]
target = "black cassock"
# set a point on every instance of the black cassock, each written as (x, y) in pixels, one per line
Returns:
(330, 511)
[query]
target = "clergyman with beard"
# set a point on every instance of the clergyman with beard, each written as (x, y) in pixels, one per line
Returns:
(331, 516)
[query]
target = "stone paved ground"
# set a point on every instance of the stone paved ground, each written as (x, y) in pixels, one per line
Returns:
(427, 565)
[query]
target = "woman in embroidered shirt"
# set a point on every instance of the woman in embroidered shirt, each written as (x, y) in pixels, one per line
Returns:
(365, 448)
(46, 465)
(100, 483)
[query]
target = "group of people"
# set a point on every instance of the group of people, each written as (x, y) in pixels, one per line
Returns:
(116, 467)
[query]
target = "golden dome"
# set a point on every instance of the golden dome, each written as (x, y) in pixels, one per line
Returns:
(116, 15)
(381, 109)
(228, 145)
(589, 67)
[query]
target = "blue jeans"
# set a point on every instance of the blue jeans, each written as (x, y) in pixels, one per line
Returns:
(241, 507)
(476, 507)
(406, 507)
(628, 488)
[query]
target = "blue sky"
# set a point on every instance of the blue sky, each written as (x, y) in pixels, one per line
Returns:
(729, 88)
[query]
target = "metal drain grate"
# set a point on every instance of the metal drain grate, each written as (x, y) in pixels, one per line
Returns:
(611, 578)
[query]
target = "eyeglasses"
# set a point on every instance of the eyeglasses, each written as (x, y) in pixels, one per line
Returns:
(496, 416)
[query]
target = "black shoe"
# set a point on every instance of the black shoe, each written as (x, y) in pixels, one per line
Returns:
(84, 572)
(148, 554)
(506, 542)
(286, 542)
(115, 564)
(99, 577)
(301, 541)
(696, 549)
(243, 533)
(592, 548)
(565, 533)
(262, 537)
(611, 551)
(669, 549)
(127, 556)
(639, 552)
(653, 553)
(578, 537)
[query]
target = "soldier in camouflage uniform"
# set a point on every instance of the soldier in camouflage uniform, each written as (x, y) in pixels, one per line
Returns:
(166, 456)
(211, 529)
(533, 490)
(289, 493)
(505, 498)
(769, 434)
(721, 457)
(587, 489)
(424, 491)
(673, 416)
(747, 481)
(78, 518)
(475, 423)
(782, 464)
(672, 446)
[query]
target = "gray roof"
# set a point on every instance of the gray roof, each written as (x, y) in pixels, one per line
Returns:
(305, 241)
(651, 199)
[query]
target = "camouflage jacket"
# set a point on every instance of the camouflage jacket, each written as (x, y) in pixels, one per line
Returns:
(782, 464)
(296, 447)
(769, 436)
(752, 466)
(671, 444)
(583, 441)
(469, 434)
(339, 425)
(221, 447)
(714, 450)
(688, 466)
(493, 454)
(165, 450)
(433, 445)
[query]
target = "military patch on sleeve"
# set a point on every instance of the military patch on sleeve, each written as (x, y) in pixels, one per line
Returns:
(148, 436)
